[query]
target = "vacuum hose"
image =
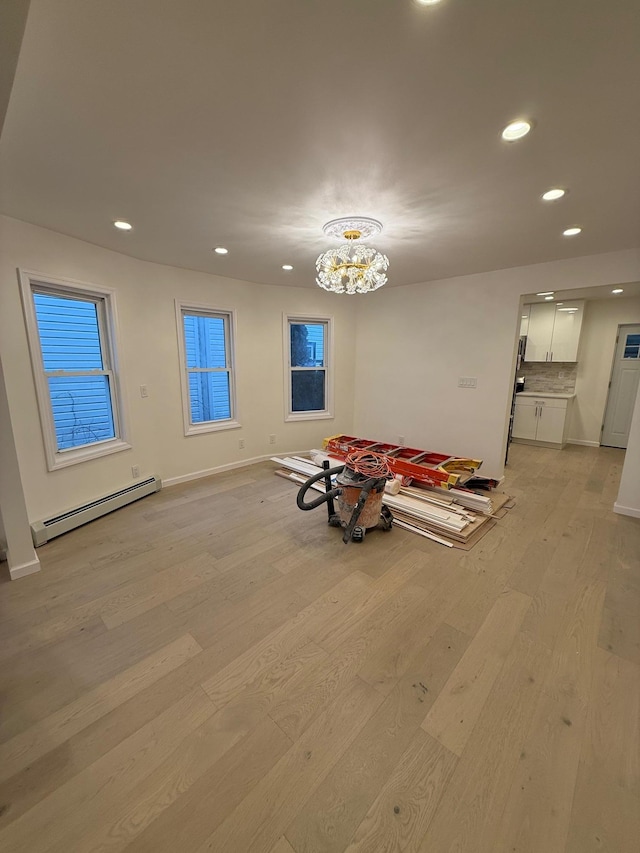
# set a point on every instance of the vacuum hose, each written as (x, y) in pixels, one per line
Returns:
(332, 493)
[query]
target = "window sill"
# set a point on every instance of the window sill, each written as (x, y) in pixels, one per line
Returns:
(309, 416)
(210, 426)
(65, 458)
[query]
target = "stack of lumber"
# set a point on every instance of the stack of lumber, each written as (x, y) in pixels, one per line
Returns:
(463, 497)
(431, 512)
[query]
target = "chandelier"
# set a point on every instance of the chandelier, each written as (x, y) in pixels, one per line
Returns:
(352, 267)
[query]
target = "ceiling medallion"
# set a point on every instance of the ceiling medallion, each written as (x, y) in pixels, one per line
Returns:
(352, 267)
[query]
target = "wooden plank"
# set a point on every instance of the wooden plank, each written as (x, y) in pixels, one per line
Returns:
(66, 819)
(328, 820)
(279, 644)
(264, 814)
(306, 698)
(468, 817)
(454, 714)
(61, 725)
(190, 819)
(538, 810)
(282, 846)
(613, 723)
(604, 817)
(402, 811)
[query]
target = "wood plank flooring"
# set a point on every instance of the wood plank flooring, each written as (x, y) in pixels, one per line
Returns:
(210, 669)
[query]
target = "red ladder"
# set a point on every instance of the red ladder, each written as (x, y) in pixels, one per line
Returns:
(436, 469)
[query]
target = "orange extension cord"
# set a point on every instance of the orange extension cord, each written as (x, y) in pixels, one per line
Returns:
(369, 464)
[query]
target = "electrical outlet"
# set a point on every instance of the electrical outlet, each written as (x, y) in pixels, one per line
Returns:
(400, 439)
(144, 391)
(272, 439)
(135, 471)
(241, 443)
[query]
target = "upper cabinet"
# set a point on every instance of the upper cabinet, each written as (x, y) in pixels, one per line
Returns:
(553, 331)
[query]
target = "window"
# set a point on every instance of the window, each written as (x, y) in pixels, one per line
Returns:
(208, 387)
(632, 347)
(307, 342)
(71, 329)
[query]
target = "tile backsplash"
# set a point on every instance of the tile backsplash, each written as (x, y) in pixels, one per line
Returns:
(556, 377)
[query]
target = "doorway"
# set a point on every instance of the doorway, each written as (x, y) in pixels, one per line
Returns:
(623, 387)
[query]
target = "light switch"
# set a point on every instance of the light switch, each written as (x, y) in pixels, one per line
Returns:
(144, 391)
(467, 382)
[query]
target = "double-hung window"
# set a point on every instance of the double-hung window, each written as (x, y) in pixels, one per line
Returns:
(71, 330)
(308, 345)
(208, 383)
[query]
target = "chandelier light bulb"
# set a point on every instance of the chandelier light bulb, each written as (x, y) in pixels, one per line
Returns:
(352, 267)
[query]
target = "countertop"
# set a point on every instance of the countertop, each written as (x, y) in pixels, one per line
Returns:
(555, 396)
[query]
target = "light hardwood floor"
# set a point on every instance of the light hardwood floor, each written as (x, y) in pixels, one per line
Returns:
(211, 669)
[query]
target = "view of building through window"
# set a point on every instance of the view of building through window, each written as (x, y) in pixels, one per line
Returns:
(308, 366)
(206, 343)
(77, 372)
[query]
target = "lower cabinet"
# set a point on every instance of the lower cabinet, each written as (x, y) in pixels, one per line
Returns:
(541, 419)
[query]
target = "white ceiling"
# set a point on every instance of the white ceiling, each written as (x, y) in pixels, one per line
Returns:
(250, 124)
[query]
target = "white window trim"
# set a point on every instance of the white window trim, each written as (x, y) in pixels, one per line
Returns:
(326, 413)
(109, 337)
(207, 426)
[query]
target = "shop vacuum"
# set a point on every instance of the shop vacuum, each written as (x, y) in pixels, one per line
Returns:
(360, 485)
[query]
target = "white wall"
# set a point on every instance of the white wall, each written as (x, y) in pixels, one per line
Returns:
(149, 355)
(414, 342)
(597, 344)
(628, 502)
(396, 367)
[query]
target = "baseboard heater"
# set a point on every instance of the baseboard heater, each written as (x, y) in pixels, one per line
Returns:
(49, 528)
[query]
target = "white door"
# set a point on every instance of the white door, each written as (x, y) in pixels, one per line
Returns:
(623, 388)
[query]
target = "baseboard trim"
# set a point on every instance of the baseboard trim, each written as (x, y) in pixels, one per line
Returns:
(208, 472)
(583, 443)
(24, 569)
(626, 510)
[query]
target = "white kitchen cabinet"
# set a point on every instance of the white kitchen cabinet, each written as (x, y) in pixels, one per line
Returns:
(541, 419)
(553, 331)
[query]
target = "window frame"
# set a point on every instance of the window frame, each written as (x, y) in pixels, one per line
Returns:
(315, 415)
(229, 317)
(105, 298)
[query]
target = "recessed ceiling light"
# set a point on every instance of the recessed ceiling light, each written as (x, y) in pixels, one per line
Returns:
(220, 250)
(287, 267)
(568, 310)
(427, 2)
(122, 225)
(559, 303)
(525, 316)
(618, 290)
(554, 194)
(545, 293)
(572, 232)
(548, 298)
(516, 130)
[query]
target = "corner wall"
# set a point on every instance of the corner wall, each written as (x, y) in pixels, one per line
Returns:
(628, 502)
(148, 350)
